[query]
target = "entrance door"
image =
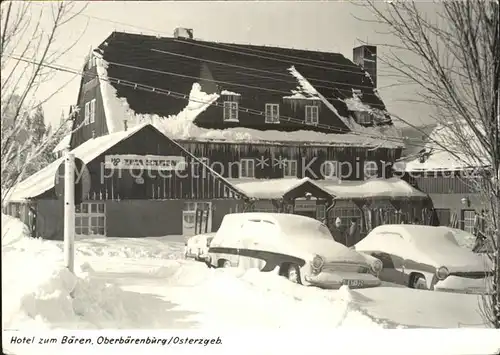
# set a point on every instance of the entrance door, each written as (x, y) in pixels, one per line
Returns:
(189, 217)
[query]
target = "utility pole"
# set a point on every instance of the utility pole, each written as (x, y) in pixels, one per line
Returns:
(69, 211)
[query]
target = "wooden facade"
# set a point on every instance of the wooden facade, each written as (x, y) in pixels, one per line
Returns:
(225, 158)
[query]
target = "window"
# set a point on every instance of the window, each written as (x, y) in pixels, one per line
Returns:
(230, 111)
(272, 113)
(468, 221)
(370, 170)
(320, 212)
(87, 113)
(92, 111)
(330, 169)
(312, 114)
(90, 219)
(363, 117)
(247, 168)
(290, 168)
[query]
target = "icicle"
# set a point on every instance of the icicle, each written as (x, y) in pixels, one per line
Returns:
(135, 86)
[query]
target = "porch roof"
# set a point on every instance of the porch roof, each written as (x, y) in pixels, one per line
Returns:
(392, 188)
(270, 189)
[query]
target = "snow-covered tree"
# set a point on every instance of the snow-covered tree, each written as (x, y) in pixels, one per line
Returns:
(458, 47)
(28, 51)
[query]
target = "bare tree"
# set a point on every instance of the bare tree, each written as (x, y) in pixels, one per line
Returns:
(28, 46)
(458, 47)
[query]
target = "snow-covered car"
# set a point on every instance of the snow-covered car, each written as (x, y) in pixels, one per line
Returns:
(299, 248)
(197, 246)
(426, 257)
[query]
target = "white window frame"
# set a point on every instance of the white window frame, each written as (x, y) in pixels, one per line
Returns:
(87, 216)
(290, 168)
(92, 111)
(248, 163)
(331, 163)
(86, 120)
(271, 116)
(312, 114)
(232, 107)
(370, 175)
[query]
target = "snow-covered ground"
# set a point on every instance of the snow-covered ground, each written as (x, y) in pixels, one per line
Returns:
(145, 283)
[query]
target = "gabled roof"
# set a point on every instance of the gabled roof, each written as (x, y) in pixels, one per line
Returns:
(443, 151)
(263, 189)
(44, 180)
(205, 70)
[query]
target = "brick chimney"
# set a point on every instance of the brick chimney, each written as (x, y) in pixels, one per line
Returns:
(366, 57)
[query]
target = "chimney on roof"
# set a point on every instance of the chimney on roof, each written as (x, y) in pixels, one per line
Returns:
(366, 57)
(125, 127)
(181, 32)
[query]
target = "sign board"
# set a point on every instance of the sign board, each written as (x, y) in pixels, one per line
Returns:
(305, 205)
(82, 181)
(147, 162)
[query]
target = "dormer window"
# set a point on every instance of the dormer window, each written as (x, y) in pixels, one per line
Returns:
(272, 113)
(230, 111)
(364, 117)
(312, 114)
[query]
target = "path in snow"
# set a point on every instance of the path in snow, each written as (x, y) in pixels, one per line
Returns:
(232, 297)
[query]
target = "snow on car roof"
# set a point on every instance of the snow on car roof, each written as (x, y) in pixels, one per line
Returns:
(290, 224)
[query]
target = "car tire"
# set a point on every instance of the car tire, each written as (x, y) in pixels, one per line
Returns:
(225, 263)
(293, 274)
(418, 282)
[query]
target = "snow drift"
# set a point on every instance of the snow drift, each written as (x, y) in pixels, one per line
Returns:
(39, 292)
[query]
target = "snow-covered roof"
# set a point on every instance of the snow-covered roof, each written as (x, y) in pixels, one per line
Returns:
(183, 127)
(182, 122)
(63, 144)
(43, 180)
(270, 188)
(374, 188)
(446, 152)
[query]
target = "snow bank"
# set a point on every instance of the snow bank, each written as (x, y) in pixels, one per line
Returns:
(40, 293)
(169, 247)
(233, 298)
(13, 230)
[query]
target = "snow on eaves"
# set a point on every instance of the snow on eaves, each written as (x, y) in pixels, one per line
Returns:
(375, 135)
(43, 180)
(63, 144)
(230, 93)
(374, 188)
(269, 188)
(116, 110)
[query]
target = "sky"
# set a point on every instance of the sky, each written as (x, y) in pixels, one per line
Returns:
(315, 25)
